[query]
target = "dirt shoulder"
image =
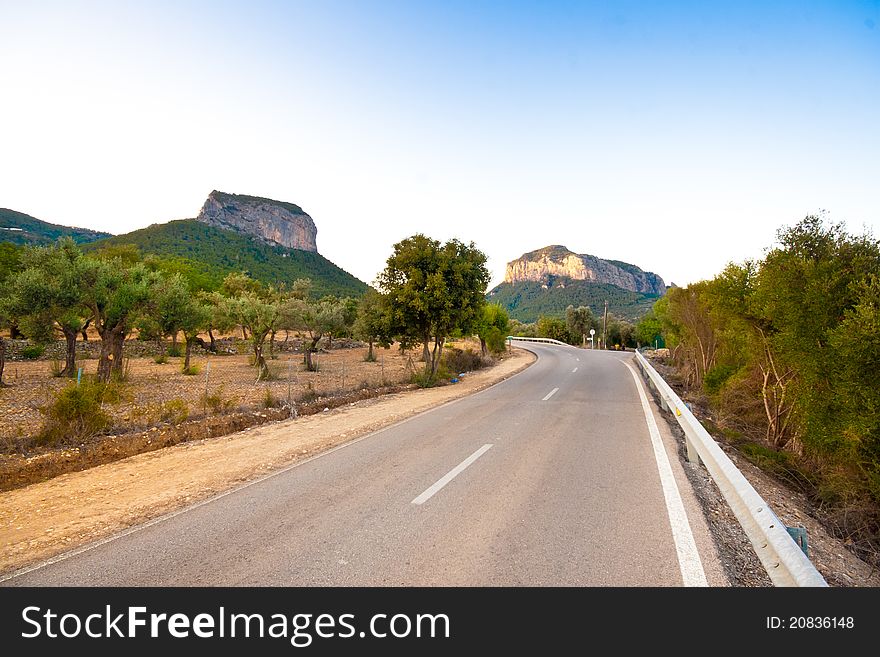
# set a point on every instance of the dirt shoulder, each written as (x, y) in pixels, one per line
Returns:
(50, 517)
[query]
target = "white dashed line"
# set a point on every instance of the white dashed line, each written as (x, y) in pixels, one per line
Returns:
(550, 394)
(452, 474)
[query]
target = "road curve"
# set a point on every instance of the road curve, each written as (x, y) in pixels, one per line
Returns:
(551, 477)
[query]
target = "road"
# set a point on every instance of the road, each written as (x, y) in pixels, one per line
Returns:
(551, 477)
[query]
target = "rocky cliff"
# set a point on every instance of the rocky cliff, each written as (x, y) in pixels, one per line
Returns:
(273, 222)
(552, 262)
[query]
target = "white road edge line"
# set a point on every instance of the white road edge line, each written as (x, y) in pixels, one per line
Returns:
(452, 474)
(692, 573)
(574, 370)
(550, 394)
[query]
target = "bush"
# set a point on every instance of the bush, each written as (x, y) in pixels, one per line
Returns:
(174, 411)
(269, 399)
(77, 411)
(192, 370)
(308, 395)
(457, 360)
(175, 351)
(717, 376)
(32, 352)
(161, 359)
(216, 402)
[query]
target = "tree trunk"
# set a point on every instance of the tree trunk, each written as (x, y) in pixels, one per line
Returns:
(271, 344)
(483, 349)
(310, 348)
(2, 360)
(244, 334)
(15, 333)
(370, 356)
(260, 362)
(104, 356)
(70, 358)
(329, 341)
(174, 342)
(118, 343)
(188, 353)
(84, 330)
(213, 342)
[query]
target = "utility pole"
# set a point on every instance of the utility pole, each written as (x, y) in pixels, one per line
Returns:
(605, 326)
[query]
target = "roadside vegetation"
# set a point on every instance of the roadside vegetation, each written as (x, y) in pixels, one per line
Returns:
(131, 339)
(786, 351)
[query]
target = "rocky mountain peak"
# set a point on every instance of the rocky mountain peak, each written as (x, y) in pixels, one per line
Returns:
(546, 264)
(270, 221)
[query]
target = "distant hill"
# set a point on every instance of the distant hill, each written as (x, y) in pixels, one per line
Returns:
(528, 300)
(20, 228)
(214, 252)
(548, 280)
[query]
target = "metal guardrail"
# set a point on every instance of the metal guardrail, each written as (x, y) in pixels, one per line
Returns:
(783, 559)
(548, 340)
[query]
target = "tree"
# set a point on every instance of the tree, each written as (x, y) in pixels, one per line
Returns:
(649, 330)
(257, 317)
(579, 322)
(179, 309)
(371, 323)
(317, 318)
(553, 328)
(115, 295)
(432, 290)
(493, 329)
(9, 264)
(48, 292)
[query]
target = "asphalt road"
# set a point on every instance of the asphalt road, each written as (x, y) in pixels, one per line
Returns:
(549, 478)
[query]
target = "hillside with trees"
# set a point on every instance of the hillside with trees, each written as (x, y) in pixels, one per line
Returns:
(526, 301)
(20, 228)
(212, 253)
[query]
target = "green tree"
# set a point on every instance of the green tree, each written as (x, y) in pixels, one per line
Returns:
(579, 322)
(316, 318)
(116, 295)
(257, 317)
(178, 309)
(493, 329)
(48, 292)
(432, 290)
(371, 323)
(553, 328)
(649, 330)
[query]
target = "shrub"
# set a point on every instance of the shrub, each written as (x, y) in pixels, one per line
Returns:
(160, 359)
(192, 370)
(32, 352)
(308, 395)
(216, 402)
(458, 360)
(174, 411)
(269, 399)
(717, 376)
(175, 351)
(56, 368)
(77, 411)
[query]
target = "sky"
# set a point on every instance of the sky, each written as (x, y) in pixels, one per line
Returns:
(677, 136)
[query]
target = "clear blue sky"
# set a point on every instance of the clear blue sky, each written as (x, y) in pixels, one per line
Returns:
(674, 135)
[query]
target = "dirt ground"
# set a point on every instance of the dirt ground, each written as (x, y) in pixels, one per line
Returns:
(151, 385)
(51, 517)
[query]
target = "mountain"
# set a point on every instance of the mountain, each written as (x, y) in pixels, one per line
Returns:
(272, 222)
(214, 252)
(20, 228)
(547, 281)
